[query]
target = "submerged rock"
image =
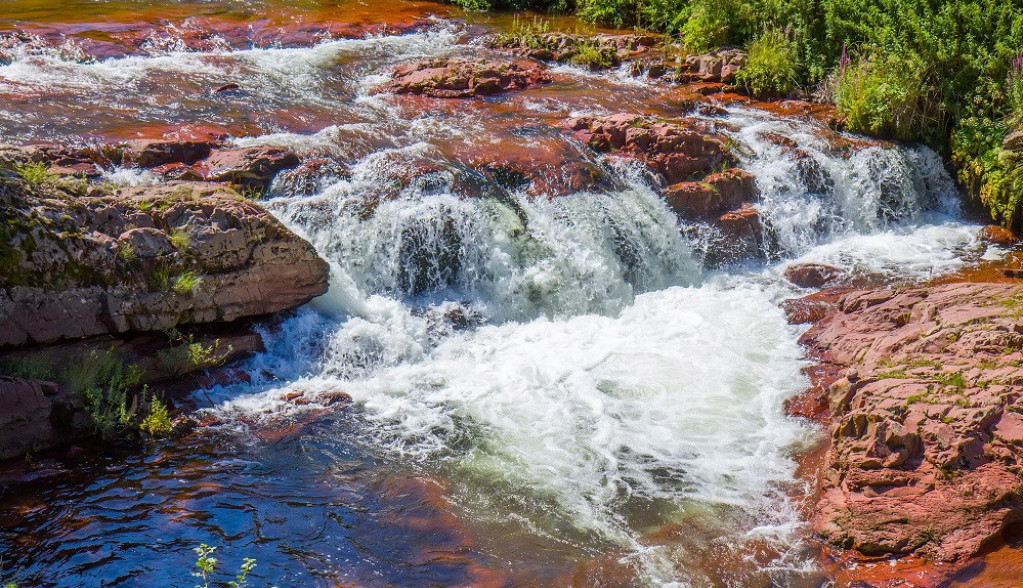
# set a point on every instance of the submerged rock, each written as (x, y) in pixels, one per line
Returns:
(926, 437)
(466, 78)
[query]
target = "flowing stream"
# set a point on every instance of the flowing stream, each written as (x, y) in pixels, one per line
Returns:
(548, 391)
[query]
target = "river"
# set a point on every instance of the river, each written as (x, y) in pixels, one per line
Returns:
(548, 391)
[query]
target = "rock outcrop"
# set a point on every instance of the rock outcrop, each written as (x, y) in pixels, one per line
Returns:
(926, 427)
(81, 260)
(465, 78)
(694, 164)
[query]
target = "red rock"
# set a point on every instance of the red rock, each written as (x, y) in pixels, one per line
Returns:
(465, 78)
(812, 275)
(742, 224)
(925, 437)
(249, 166)
(693, 200)
(998, 235)
(677, 150)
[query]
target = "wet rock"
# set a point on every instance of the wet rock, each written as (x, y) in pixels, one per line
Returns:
(88, 161)
(715, 195)
(26, 416)
(149, 153)
(310, 177)
(812, 275)
(998, 236)
(249, 166)
(466, 78)
(675, 150)
(925, 440)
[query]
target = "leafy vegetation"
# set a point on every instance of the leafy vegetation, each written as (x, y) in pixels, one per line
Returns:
(106, 384)
(158, 421)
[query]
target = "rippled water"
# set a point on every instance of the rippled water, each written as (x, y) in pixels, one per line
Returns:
(548, 391)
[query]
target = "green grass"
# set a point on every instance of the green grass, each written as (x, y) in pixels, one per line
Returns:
(186, 282)
(29, 368)
(107, 386)
(181, 240)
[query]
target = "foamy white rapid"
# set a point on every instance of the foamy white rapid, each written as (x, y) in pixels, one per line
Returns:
(568, 361)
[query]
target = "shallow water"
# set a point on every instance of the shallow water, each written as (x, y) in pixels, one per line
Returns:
(548, 391)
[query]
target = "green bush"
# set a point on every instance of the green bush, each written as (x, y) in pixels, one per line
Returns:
(771, 66)
(707, 25)
(887, 97)
(35, 173)
(1014, 93)
(589, 55)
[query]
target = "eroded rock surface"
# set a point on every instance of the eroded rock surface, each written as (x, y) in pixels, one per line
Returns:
(927, 425)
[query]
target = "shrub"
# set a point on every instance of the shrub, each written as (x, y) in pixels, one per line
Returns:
(707, 25)
(886, 96)
(771, 66)
(190, 355)
(616, 13)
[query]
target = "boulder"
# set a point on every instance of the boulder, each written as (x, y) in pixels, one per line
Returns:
(26, 416)
(1013, 141)
(998, 236)
(465, 78)
(812, 275)
(143, 259)
(674, 150)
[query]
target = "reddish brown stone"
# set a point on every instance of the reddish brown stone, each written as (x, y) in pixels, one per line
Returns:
(465, 78)
(147, 153)
(677, 151)
(812, 275)
(998, 235)
(250, 166)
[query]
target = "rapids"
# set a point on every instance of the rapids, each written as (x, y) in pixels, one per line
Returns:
(547, 391)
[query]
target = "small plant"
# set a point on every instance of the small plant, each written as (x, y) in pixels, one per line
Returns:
(887, 96)
(35, 173)
(157, 422)
(206, 564)
(589, 55)
(181, 240)
(190, 355)
(771, 66)
(105, 384)
(126, 251)
(186, 282)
